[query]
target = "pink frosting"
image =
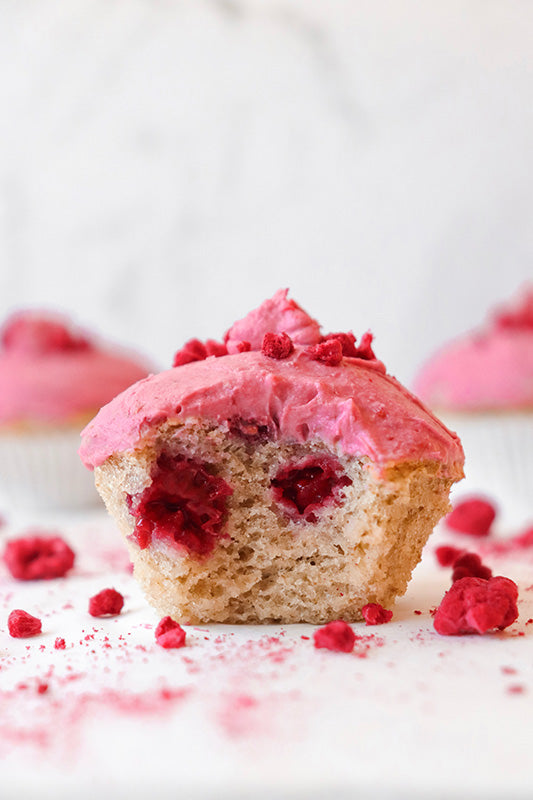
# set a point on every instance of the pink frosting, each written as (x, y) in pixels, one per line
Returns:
(353, 405)
(51, 373)
(489, 369)
(278, 314)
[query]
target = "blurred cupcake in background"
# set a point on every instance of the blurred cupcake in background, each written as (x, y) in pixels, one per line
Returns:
(481, 385)
(53, 379)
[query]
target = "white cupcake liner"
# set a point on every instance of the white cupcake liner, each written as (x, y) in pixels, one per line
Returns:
(499, 460)
(41, 471)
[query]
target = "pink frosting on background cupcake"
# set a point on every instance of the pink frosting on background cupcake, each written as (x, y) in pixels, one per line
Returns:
(52, 373)
(488, 369)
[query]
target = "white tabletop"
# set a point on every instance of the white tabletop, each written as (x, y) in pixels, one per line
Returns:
(257, 711)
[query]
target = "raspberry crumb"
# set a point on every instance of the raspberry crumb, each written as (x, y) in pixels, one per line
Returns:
(277, 345)
(447, 555)
(22, 625)
(107, 603)
(474, 605)
(34, 557)
(328, 352)
(474, 516)
(195, 350)
(59, 644)
(42, 688)
(375, 614)
(364, 350)
(169, 634)
(469, 565)
(347, 342)
(335, 635)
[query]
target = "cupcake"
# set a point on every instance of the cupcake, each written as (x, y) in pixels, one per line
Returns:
(53, 379)
(481, 385)
(278, 476)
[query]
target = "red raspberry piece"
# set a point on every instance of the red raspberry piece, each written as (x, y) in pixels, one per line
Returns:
(375, 614)
(185, 505)
(469, 565)
(474, 605)
(277, 345)
(195, 350)
(347, 341)
(169, 634)
(107, 603)
(447, 555)
(41, 333)
(329, 352)
(59, 644)
(22, 625)
(364, 350)
(335, 635)
(474, 516)
(35, 557)
(304, 488)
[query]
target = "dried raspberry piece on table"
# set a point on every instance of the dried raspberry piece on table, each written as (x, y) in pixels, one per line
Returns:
(474, 605)
(447, 555)
(107, 603)
(169, 634)
(36, 557)
(277, 345)
(59, 644)
(375, 614)
(474, 516)
(469, 565)
(335, 635)
(329, 352)
(22, 625)
(195, 350)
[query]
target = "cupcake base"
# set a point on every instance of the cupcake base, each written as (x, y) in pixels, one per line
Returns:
(41, 471)
(499, 459)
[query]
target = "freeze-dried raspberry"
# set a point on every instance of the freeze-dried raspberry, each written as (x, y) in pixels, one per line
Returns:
(59, 644)
(277, 345)
(41, 333)
(107, 603)
(169, 634)
(364, 350)
(36, 557)
(469, 565)
(347, 341)
(375, 614)
(335, 635)
(474, 516)
(447, 555)
(22, 625)
(519, 317)
(195, 350)
(474, 605)
(329, 352)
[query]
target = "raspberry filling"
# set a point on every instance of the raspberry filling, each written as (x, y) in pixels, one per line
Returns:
(184, 505)
(304, 488)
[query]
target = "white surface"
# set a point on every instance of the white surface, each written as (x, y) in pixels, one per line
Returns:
(165, 166)
(420, 716)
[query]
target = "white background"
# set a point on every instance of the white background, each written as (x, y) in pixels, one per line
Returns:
(165, 166)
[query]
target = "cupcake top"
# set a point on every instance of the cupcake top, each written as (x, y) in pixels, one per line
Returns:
(266, 382)
(488, 369)
(52, 373)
